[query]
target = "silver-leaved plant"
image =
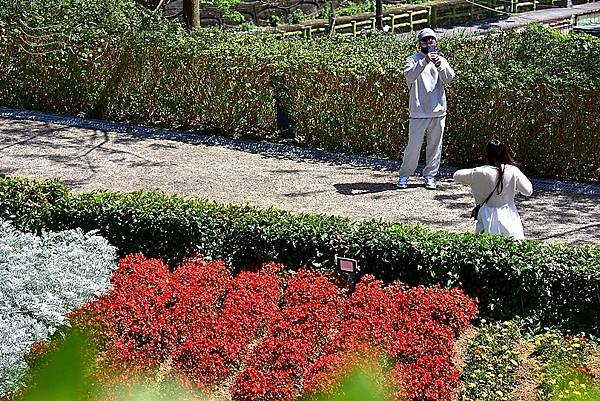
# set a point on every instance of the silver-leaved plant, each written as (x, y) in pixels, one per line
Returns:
(42, 278)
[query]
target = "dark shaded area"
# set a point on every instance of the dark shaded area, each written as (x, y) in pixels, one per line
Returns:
(362, 188)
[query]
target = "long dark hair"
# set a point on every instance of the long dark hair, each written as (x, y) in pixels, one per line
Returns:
(498, 154)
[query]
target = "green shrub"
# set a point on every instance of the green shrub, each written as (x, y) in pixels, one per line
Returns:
(35, 205)
(296, 17)
(550, 285)
(355, 8)
(112, 59)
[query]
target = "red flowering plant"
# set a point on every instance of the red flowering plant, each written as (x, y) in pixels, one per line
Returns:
(264, 336)
(249, 308)
(311, 311)
(451, 308)
(430, 378)
(134, 314)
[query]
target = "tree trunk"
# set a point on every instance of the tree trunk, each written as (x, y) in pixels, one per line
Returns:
(379, 14)
(191, 13)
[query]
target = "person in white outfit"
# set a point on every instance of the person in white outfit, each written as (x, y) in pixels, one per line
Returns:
(503, 180)
(426, 72)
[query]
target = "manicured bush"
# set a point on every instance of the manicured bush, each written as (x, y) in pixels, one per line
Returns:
(41, 280)
(34, 205)
(112, 59)
(265, 333)
(551, 285)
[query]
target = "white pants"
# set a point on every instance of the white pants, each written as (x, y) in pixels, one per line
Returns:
(416, 133)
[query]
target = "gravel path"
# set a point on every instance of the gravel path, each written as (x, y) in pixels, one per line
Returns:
(86, 159)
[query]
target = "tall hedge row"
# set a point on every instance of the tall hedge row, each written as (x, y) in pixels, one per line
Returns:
(552, 285)
(538, 89)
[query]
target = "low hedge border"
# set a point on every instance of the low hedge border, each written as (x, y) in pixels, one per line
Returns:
(549, 285)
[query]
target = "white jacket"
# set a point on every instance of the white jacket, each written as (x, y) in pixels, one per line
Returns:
(483, 180)
(427, 97)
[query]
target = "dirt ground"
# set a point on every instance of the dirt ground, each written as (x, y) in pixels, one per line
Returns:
(87, 159)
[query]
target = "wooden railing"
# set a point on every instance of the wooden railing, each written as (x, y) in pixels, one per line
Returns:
(418, 17)
(406, 21)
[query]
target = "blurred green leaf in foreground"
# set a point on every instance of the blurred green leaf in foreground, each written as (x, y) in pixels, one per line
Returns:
(64, 372)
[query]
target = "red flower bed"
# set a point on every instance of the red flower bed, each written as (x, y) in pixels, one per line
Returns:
(269, 337)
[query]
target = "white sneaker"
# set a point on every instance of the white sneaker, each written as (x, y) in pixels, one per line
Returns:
(430, 182)
(402, 183)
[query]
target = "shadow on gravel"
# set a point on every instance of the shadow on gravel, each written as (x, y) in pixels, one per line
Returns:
(37, 137)
(589, 231)
(8, 170)
(456, 201)
(361, 188)
(76, 185)
(573, 215)
(73, 152)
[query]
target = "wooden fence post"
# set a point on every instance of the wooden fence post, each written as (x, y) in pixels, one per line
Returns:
(353, 27)
(307, 32)
(393, 23)
(410, 21)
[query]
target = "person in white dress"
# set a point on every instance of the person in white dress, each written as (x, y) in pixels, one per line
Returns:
(503, 180)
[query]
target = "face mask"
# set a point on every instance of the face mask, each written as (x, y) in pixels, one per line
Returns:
(427, 49)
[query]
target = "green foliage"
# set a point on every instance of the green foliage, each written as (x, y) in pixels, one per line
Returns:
(355, 8)
(66, 372)
(246, 26)
(296, 17)
(63, 374)
(35, 205)
(227, 8)
(361, 383)
(113, 59)
(564, 374)
(543, 125)
(550, 285)
(274, 20)
(350, 8)
(490, 370)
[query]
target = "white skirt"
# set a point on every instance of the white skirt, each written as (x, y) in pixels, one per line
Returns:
(503, 220)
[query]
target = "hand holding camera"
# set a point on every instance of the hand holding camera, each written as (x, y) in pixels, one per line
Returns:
(433, 55)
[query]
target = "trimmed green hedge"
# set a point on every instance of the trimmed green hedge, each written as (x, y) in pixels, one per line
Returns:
(538, 90)
(552, 285)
